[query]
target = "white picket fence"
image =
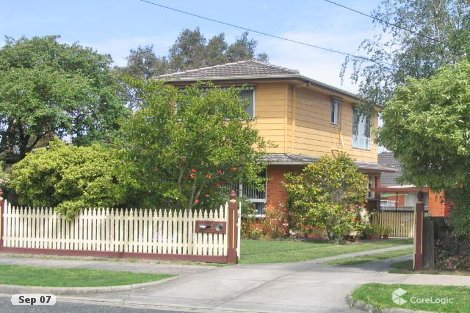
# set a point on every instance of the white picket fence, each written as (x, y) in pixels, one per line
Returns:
(114, 230)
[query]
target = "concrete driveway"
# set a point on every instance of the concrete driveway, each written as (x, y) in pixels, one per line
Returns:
(294, 287)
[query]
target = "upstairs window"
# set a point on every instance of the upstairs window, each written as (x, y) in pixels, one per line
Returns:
(248, 94)
(361, 130)
(335, 109)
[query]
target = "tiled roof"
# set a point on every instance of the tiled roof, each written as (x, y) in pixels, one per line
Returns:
(246, 71)
(242, 69)
(390, 179)
(296, 159)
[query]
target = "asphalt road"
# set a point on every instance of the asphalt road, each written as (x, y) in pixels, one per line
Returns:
(72, 307)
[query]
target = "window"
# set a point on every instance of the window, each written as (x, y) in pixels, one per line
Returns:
(335, 109)
(361, 130)
(255, 195)
(371, 194)
(248, 94)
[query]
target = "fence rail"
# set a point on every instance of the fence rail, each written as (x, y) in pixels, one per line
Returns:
(401, 222)
(115, 230)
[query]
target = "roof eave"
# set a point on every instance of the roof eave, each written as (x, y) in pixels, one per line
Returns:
(305, 79)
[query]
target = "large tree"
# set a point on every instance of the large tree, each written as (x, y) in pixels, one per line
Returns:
(144, 63)
(188, 146)
(427, 126)
(49, 88)
(417, 37)
(191, 50)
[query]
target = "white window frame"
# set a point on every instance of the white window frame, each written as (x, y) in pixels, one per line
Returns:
(359, 140)
(257, 200)
(335, 111)
(252, 88)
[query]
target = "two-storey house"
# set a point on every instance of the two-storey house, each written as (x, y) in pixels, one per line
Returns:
(302, 117)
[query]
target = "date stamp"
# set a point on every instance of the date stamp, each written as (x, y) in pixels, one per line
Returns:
(33, 299)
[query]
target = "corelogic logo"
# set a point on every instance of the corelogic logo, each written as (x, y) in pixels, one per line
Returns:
(397, 296)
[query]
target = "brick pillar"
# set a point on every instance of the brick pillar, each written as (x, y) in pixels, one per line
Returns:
(232, 229)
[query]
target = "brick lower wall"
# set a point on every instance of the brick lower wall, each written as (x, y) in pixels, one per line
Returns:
(277, 197)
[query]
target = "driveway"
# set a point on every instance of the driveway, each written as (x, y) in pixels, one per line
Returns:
(291, 287)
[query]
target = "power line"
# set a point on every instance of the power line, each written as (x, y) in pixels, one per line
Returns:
(264, 33)
(381, 20)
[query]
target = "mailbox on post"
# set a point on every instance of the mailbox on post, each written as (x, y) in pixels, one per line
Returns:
(211, 227)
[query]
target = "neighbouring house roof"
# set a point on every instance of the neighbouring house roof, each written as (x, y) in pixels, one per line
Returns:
(246, 70)
(386, 158)
(297, 159)
(374, 167)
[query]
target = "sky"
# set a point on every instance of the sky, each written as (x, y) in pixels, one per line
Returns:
(115, 27)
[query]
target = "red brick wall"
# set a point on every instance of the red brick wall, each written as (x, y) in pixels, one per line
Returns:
(438, 205)
(276, 193)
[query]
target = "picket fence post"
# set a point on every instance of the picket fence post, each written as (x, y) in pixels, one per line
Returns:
(2, 203)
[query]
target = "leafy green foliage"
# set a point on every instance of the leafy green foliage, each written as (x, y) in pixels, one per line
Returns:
(427, 126)
(48, 88)
(4, 176)
(187, 146)
(428, 35)
(70, 178)
(143, 63)
(327, 194)
(191, 50)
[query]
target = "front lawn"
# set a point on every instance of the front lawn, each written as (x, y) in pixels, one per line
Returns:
(274, 251)
(415, 297)
(76, 277)
(372, 257)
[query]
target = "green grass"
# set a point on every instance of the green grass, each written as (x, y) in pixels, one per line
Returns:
(406, 267)
(275, 251)
(61, 277)
(372, 257)
(380, 296)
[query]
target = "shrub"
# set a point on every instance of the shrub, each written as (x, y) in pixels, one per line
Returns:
(453, 253)
(70, 178)
(327, 194)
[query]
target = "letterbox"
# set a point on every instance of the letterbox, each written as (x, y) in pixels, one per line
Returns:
(211, 227)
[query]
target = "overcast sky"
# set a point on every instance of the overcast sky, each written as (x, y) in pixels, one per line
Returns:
(117, 26)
